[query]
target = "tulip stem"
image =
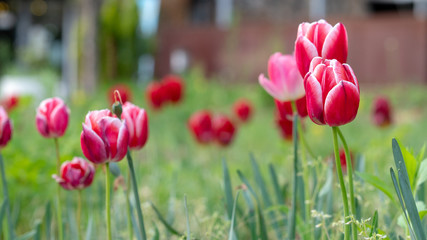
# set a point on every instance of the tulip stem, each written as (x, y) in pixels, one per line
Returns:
(79, 209)
(107, 199)
(136, 195)
(350, 181)
(129, 217)
(58, 195)
(342, 185)
(7, 201)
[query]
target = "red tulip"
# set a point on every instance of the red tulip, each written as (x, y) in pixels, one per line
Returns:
(343, 159)
(285, 126)
(77, 174)
(5, 128)
(320, 39)
(333, 93)
(10, 102)
(285, 82)
(242, 110)
(381, 112)
(155, 95)
(137, 123)
(104, 138)
(124, 90)
(52, 118)
(224, 130)
(200, 125)
(285, 108)
(173, 88)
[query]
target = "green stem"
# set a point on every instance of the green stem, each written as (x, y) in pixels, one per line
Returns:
(136, 195)
(292, 213)
(304, 142)
(107, 200)
(79, 210)
(58, 192)
(129, 217)
(350, 181)
(6, 196)
(342, 185)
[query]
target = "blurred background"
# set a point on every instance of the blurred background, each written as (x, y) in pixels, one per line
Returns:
(82, 44)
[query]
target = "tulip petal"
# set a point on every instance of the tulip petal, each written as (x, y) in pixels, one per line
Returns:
(341, 104)
(122, 143)
(270, 87)
(59, 120)
(41, 124)
(335, 45)
(351, 76)
(314, 99)
(92, 146)
(329, 81)
(305, 51)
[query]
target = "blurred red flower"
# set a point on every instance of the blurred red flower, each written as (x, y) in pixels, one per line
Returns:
(243, 110)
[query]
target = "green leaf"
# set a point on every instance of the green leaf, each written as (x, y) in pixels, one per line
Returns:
(250, 218)
(89, 228)
(374, 224)
(422, 173)
(422, 213)
(164, 222)
(47, 219)
(38, 230)
(232, 233)
(279, 196)
(420, 155)
(156, 235)
(187, 218)
(228, 193)
(377, 183)
(411, 164)
(27, 235)
(2, 212)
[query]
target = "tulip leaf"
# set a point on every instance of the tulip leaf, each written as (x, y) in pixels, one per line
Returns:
(377, 183)
(228, 193)
(422, 173)
(250, 218)
(232, 233)
(89, 228)
(47, 219)
(2, 212)
(411, 164)
(27, 235)
(187, 218)
(374, 224)
(164, 222)
(156, 235)
(38, 230)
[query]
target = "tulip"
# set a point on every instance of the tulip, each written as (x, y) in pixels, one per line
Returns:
(77, 174)
(320, 39)
(381, 112)
(10, 102)
(173, 88)
(52, 118)
(5, 128)
(343, 159)
(104, 138)
(285, 82)
(224, 130)
(285, 126)
(333, 93)
(137, 123)
(285, 108)
(242, 110)
(124, 90)
(200, 125)
(155, 95)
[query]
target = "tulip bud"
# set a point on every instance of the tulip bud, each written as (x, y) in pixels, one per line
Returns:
(285, 82)
(200, 125)
(5, 128)
(173, 88)
(124, 90)
(104, 138)
(332, 92)
(320, 39)
(155, 95)
(242, 110)
(52, 118)
(77, 174)
(224, 130)
(10, 102)
(137, 123)
(381, 112)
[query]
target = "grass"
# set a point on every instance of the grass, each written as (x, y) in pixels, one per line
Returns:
(172, 164)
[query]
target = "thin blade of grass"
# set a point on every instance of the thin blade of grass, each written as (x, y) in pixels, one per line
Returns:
(374, 224)
(280, 198)
(38, 234)
(228, 193)
(89, 228)
(135, 227)
(164, 222)
(156, 235)
(27, 235)
(250, 218)
(48, 219)
(232, 233)
(2, 212)
(265, 195)
(187, 218)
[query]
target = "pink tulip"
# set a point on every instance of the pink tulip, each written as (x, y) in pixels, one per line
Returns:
(381, 112)
(104, 138)
(285, 82)
(77, 174)
(320, 39)
(333, 93)
(52, 118)
(200, 125)
(5, 128)
(224, 130)
(137, 123)
(284, 109)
